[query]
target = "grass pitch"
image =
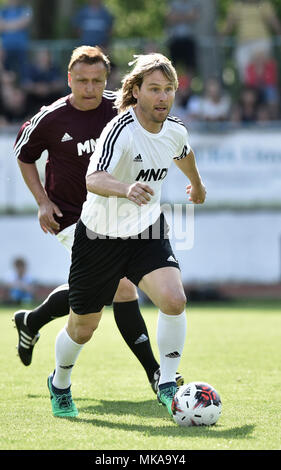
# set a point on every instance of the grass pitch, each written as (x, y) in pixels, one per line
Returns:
(234, 347)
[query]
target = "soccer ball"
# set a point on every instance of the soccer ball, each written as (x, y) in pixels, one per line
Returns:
(196, 404)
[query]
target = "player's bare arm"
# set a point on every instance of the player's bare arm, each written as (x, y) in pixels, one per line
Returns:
(196, 190)
(47, 208)
(104, 184)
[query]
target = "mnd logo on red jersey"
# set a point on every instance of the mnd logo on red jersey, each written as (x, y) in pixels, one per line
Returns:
(87, 147)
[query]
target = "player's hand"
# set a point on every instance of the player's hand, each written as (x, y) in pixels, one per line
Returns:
(197, 194)
(139, 193)
(46, 217)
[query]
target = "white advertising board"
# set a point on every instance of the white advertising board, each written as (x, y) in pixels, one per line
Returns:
(239, 168)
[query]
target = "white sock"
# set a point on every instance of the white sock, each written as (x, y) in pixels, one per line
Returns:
(67, 352)
(171, 333)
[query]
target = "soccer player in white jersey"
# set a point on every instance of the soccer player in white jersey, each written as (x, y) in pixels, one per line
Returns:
(68, 130)
(122, 232)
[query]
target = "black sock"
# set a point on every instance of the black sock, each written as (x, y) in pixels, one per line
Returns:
(56, 305)
(133, 329)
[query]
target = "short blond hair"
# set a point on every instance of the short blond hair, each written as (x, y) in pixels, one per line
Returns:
(144, 65)
(88, 55)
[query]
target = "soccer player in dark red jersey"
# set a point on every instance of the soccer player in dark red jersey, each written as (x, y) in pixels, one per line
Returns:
(68, 129)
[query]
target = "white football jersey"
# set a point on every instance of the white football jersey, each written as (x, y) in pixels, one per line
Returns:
(130, 153)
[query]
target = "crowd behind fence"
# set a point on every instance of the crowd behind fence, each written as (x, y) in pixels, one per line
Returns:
(229, 70)
(220, 98)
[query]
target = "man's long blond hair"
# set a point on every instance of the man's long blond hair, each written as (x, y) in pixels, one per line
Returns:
(143, 65)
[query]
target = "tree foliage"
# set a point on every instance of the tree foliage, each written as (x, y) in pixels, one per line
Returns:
(223, 6)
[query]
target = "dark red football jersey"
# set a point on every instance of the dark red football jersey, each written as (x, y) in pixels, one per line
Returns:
(69, 136)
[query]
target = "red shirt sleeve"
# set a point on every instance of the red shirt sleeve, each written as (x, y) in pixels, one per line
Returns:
(30, 142)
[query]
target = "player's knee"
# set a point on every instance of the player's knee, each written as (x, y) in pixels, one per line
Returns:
(126, 292)
(83, 334)
(81, 331)
(173, 303)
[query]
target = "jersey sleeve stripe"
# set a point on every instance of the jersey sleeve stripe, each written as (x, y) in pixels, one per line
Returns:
(32, 125)
(110, 95)
(108, 146)
(183, 154)
(176, 120)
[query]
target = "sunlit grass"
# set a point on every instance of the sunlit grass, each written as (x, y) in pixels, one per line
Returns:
(236, 348)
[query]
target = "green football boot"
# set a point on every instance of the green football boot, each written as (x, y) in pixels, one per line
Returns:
(62, 404)
(156, 376)
(165, 395)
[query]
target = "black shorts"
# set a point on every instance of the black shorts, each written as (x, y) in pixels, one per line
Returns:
(98, 264)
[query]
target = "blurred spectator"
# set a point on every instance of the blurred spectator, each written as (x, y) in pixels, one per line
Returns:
(94, 24)
(253, 21)
(214, 105)
(3, 74)
(15, 20)
(246, 110)
(115, 77)
(263, 114)
(262, 74)
(19, 283)
(183, 94)
(181, 19)
(12, 98)
(43, 82)
(14, 104)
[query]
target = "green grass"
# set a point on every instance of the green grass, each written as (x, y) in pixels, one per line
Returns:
(234, 347)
